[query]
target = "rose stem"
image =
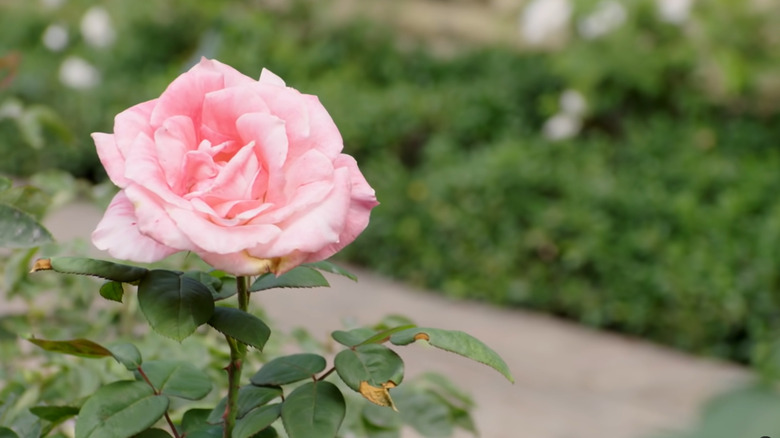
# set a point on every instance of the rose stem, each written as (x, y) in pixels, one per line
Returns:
(237, 353)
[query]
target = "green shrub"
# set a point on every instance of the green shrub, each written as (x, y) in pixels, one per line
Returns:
(652, 236)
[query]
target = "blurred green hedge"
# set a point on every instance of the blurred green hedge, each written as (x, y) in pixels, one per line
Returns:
(659, 219)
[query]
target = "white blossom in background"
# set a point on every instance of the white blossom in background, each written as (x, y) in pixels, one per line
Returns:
(674, 11)
(542, 20)
(573, 102)
(55, 37)
(568, 121)
(68, 428)
(561, 126)
(77, 73)
(11, 109)
(52, 4)
(608, 16)
(97, 27)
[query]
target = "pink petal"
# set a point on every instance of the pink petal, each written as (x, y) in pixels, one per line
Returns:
(153, 220)
(290, 261)
(232, 77)
(268, 133)
(172, 141)
(110, 157)
(323, 133)
(362, 193)
(305, 197)
(184, 96)
(309, 126)
(118, 234)
(143, 168)
(239, 263)
(267, 77)
(315, 227)
(310, 167)
(112, 148)
(198, 173)
(289, 105)
(235, 179)
(132, 122)
(231, 213)
(362, 201)
(222, 108)
(213, 238)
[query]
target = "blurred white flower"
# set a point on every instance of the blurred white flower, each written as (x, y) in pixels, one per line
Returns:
(11, 109)
(97, 28)
(52, 4)
(77, 73)
(562, 126)
(573, 102)
(674, 11)
(55, 37)
(608, 16)
(542, 20)
(68, 428)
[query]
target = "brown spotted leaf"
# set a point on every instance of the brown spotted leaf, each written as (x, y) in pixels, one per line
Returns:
(378, 395)
(457, 342)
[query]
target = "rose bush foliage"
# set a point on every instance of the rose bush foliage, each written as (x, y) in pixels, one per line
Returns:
(248, 174)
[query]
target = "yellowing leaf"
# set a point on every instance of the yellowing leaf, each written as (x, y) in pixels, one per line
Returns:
(457, 342)
(378, 395)
(41, 265)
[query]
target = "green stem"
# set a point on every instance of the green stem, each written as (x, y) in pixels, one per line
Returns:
(237, 354)
(157, 392)
(322, 377)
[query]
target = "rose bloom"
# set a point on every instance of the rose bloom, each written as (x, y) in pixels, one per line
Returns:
(247, 174)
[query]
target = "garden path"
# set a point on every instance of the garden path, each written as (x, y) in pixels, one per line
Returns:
(571, 381)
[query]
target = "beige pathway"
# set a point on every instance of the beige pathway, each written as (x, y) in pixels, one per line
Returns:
(571, 382)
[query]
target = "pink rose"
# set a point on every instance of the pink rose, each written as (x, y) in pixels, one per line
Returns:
(247, 174)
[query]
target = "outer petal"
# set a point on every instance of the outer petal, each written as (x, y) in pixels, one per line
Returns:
(212, 238)
(289, 105)
(153, 220)
(131, 122)
(112, 148)
(110, 157)
(239, 263)
(362, 193)
(290, 261)
(306, 197)
(267, 77)
(311, 167)
(184, 96)
(118, 234)
(315, 227)
(232, 77)
(323, 133)
(362, 201)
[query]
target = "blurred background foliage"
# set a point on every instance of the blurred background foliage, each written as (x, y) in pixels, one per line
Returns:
(653, 212)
